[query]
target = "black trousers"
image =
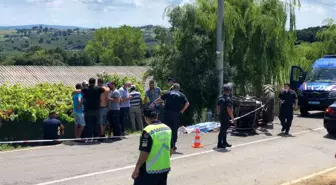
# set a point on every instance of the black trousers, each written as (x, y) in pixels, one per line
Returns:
(91, 121)
(124, 116)
(222, 135)
(286, 118)
(149, 179)
(113, 117)
(172, 120)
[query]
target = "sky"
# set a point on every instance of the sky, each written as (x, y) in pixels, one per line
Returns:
(114, 13)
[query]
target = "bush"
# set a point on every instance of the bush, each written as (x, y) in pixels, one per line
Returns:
(120, 81)
(22, 110)
(33, 104)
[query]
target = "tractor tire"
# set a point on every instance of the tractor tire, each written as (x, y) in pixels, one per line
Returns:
(268, 101)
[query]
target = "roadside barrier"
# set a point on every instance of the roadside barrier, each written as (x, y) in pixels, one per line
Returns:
(95, 138)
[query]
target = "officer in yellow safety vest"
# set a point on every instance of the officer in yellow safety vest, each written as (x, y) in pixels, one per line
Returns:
(153, 164)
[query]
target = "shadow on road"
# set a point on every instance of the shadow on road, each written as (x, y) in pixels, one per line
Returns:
(285, 135)
(74, 143)
(314, 115)
(221, 150)
(330, 137)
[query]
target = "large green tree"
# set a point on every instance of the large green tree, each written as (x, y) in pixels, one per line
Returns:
(117, 46)
(257, 47)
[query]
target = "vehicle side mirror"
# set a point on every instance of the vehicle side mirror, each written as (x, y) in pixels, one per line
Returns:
(301, 78)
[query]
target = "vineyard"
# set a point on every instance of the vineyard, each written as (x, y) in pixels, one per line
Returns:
(22, 110)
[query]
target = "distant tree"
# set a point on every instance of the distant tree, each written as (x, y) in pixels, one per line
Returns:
(65, 38)
(48, 41)
(64, 33)
(70, 42)
(6, 36)
(41, 40)
(117, 46)
(45, 30)
(41, 27)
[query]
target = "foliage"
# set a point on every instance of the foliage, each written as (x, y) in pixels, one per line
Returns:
(53, 57)
(32, 104)
(120, 81)
(307, 53)
(117, 46)
(257, 46)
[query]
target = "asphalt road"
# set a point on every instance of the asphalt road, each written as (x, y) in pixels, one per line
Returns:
(264, 159)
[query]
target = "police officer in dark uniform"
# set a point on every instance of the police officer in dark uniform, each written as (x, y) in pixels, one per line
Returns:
(176, 103)
(288, 101)
(225, 112)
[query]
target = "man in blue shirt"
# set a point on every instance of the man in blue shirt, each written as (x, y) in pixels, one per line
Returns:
(51, 126)
(78, 109)
(124, 105)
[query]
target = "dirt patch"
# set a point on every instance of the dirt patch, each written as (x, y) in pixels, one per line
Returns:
(326, 179)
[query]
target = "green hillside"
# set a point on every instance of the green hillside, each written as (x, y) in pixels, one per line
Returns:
(18, 41)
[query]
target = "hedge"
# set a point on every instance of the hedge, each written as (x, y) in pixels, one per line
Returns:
(22, 110)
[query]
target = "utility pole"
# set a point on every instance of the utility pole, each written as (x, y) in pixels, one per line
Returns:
(219, 52)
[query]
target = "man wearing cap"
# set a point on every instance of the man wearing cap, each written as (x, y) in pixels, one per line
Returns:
(225, 112)
(153, 165)
(176, 103)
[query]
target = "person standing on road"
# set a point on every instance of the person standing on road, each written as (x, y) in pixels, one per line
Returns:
(103, 106)
(176, 104)
(113, 114)
(151, 95)
(78, 109)
(288, 102)
(91, 96)
(225, 112)
(135, 109)
(124, 105)
(153, 165)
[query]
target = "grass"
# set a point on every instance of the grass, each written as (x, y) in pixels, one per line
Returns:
(6, 147)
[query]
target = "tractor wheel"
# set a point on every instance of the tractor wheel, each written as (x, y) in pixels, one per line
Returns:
(268, 102)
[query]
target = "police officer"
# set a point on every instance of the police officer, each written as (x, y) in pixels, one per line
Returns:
(153, 164)
(176, 103)
(288, 101)
(225, 112)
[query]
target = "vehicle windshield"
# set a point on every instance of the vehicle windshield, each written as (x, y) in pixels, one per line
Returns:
(321, 75)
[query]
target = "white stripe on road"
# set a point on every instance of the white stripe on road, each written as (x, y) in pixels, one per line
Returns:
(174, 158)
(310, 176)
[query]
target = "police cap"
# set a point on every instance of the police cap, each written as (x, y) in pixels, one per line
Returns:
(227, 87)
(150, 113)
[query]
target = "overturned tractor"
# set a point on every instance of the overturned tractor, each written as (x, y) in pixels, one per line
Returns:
(253, 112)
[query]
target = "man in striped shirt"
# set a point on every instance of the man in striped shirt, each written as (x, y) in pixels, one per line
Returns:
(135, 109)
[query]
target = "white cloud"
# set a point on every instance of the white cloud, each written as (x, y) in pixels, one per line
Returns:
(97, 13)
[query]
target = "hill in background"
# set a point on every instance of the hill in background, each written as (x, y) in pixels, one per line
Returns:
(17, 39)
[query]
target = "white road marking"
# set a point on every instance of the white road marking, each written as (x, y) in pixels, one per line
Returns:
(174, 158)
(310, 176)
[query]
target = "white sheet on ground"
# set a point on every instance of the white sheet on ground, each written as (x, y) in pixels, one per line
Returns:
(204, 127)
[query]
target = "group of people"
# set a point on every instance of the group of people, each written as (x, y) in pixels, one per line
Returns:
(102, 106)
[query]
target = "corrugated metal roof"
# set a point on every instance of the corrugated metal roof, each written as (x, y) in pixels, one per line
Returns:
(68, 75)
